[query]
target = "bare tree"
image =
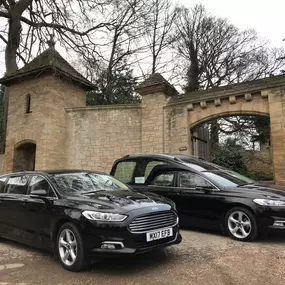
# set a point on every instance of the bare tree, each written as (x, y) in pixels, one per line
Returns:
(159, 22)
(118, 44)
(217, 53)
(29, 22)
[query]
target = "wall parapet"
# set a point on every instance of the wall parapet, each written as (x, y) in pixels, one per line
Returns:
(240, 89)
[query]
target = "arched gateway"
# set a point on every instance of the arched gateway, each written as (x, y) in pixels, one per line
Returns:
(182, 113)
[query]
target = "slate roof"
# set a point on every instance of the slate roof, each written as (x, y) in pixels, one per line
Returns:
(49, 61)
(156, 80)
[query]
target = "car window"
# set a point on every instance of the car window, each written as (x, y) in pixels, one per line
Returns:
(144, 168)
(150, 167)
(86, 182)
(17, 185)
(2, 184)
(191, 180)
(164, 179)
(125, 171)
(40, 183)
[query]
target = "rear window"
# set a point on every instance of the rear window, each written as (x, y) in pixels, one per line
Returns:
(135, 172)
(125, 171)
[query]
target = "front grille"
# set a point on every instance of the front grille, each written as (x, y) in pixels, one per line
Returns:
(160, 220)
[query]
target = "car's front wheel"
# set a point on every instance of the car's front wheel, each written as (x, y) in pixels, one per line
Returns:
(70, 248)
(241, 224)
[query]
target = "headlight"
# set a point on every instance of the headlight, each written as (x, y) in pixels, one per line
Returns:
(100, 216)
(268, 202)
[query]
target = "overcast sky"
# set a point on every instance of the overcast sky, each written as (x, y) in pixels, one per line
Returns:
(265, 16)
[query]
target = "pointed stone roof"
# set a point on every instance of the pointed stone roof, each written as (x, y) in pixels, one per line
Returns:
(48, 62)
(156, 83)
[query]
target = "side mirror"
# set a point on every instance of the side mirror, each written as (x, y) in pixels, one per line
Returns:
(40, 193)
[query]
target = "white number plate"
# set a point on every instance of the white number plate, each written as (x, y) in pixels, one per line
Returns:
(159, 234)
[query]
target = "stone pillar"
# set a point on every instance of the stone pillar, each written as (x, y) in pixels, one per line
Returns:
(276, 100)
(154, 91)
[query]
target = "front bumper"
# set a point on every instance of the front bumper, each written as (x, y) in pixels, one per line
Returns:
(271, 218)
(95, 237)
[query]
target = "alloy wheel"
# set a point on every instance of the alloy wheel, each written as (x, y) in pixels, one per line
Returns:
(67, 246)
(239, 224)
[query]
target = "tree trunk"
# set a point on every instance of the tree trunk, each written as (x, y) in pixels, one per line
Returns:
(13, 43)
(193, 71)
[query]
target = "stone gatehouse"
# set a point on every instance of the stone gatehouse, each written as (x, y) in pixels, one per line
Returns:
(49, 125)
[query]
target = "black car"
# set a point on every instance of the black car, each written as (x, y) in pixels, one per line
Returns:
(82, 214)
(207, 195)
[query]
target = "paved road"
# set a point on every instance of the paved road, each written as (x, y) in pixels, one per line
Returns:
(202, 258)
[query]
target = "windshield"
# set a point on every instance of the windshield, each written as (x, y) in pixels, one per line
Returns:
(83, 182)
(228, 178)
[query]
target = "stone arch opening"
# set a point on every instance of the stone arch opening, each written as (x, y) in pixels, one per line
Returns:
(247, 133)
(24, 156)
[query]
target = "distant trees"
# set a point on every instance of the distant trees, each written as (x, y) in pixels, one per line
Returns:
(229, 155)
(216, 53)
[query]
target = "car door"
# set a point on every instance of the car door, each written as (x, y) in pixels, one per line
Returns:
(199, 203)
(163, 183)
(38, 210)
(12, 214)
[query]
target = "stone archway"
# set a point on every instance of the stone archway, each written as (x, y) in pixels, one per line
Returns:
(199, 140)
(24, 156)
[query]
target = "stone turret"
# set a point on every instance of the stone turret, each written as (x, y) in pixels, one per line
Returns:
(36, 123)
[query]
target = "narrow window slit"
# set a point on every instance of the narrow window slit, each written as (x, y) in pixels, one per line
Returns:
(28, 104)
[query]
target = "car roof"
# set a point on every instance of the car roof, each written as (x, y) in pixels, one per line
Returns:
(190, 160)
(53, 171)
(159, 156)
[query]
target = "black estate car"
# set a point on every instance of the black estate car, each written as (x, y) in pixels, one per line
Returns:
(207, 195)
(80, 214)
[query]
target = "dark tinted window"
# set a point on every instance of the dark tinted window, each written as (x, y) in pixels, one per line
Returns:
(17, 185)
(39, 183)
(191, 180)
(201, 165)
(2, 184)
(125, 171)
(227, 179)
(164, 179)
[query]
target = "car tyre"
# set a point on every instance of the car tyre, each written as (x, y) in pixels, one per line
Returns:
(241, 224)
(70, 248)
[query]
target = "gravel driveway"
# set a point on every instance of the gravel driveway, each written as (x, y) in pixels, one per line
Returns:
(202, 258)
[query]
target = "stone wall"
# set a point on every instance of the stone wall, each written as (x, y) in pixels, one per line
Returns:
(152, 123)
(276, 98)
(99, 135)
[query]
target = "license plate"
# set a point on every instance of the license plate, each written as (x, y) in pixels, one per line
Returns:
(159, 234)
